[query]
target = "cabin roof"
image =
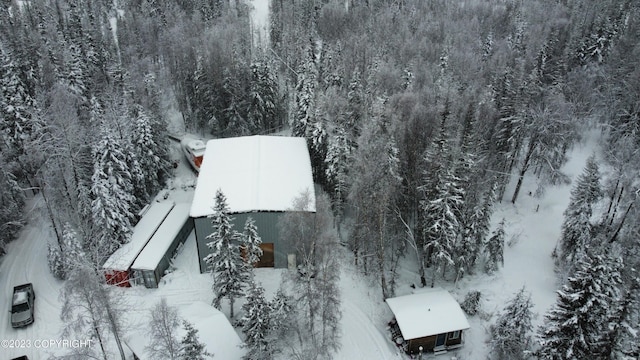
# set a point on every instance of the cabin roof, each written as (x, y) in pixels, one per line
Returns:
(255, 173)
(122, 258)
(426, 313)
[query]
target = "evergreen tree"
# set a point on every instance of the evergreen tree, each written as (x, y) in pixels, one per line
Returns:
(76, 73)
(355, 107)
(190, 346)
(72, 250)
(225, 261)
(256, 323)
(578, 326)
(337, 164)
(479, 223)
(148, 153)
(234, 113)
(625, 325)
(262, 97)
(305, 96)
(282, 312)
(494, 250)
(12, 199)
(251, 242)
(112, 192)
(443, 222)
(576, 228)
(510, 335)
(18, 109)
(55, 261)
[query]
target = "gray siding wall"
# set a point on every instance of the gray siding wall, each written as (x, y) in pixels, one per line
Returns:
(165, 262)
(267, 223)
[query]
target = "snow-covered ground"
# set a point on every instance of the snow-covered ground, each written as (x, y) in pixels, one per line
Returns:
(533, 225)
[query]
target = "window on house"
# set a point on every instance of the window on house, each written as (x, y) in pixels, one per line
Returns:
(454, 335)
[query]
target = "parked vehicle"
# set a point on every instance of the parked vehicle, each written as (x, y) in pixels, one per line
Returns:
(22, 305)
(194, 150)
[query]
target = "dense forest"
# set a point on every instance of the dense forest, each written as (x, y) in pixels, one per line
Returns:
(417, 114)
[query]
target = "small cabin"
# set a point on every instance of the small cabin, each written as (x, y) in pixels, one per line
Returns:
(430, 319)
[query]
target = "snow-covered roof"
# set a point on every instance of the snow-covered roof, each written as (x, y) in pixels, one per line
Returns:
(426, 313)
(122, 258)
(255, 173)
(19, 297)
(195, 146)
(157, 247)
(214, 331)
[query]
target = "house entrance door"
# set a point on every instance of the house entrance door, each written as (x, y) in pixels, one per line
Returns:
(440, 339)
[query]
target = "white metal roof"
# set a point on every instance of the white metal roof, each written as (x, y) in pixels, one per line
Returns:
(122, 258)
(151, 255)
(255, 173)
(429, 312)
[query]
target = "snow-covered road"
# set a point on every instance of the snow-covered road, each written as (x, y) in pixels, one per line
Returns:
(25, 262)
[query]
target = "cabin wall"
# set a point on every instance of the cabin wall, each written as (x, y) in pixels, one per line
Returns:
(267, 224)
(428, 343)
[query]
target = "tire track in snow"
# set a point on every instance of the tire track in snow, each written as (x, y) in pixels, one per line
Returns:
(360, 338)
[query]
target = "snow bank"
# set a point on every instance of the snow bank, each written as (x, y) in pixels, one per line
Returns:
(255, 173)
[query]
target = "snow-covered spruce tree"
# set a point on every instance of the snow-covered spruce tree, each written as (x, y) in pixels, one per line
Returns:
(148, 154)
(225, 262)
(443, 226)
(190, 346)
(18, 107)
(251, 242)
(64, 257)
(337, 162)
(112, 191)
(625, 324)
(578, 326)
(576, 228)
(234, 115)
(510, 335)
(262, 97)
(256, 323)
(494, 250)
(305, 96)
(479, 223)
(163, 326)
(282, 313)
(471, 302)
(56, 261)
(12, 199)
